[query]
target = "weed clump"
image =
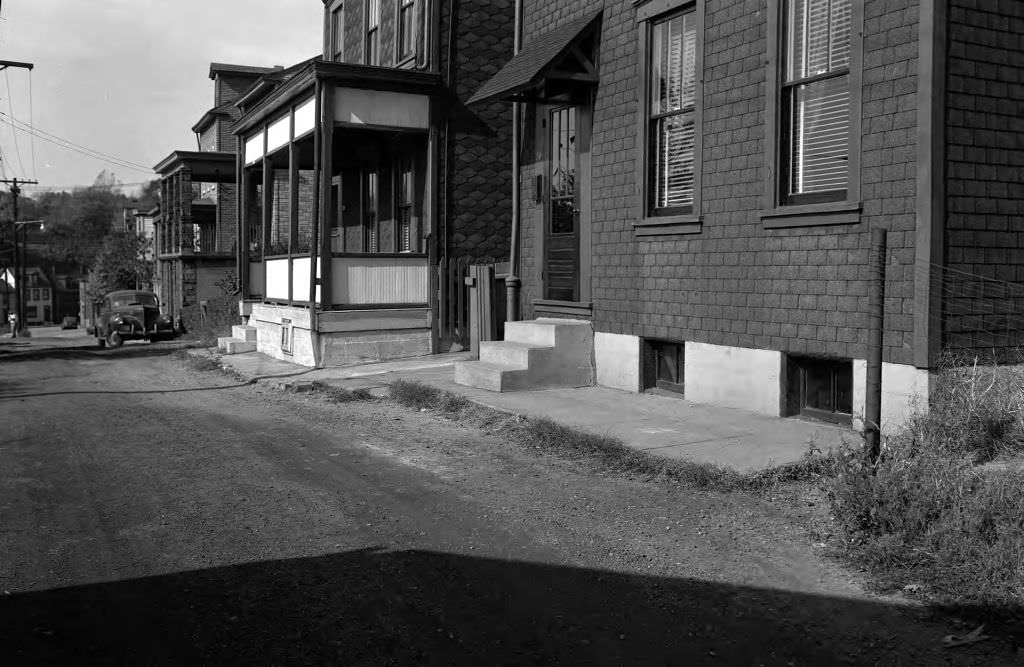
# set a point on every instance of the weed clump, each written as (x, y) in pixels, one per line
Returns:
(935, 510)
(342, 395)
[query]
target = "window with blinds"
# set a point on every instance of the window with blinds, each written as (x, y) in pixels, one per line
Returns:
(816, 101)
(404, 204)
(371, 201)
(672, 87)
(372, 54)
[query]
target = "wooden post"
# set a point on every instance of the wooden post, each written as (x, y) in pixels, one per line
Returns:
(876, 323)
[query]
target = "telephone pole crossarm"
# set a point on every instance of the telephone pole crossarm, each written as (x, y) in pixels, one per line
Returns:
(14, 63)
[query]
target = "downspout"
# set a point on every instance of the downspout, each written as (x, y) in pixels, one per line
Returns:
(512, 281)
(315, 242)
(453, 8)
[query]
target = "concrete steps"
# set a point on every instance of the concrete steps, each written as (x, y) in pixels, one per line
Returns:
(242, 339)
(535, 354)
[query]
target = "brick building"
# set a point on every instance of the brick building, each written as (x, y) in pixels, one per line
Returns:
(194, 230)
(402, 175)
(700, 181)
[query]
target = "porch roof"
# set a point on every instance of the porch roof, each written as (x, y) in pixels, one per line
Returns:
(343, 75)
(205, 166)
(541, 57)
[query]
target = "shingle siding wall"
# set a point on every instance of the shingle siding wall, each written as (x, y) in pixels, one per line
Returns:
(477, 168)
(736, 283)
(984, 292)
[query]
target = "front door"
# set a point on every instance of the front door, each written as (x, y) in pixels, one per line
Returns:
(562, 224)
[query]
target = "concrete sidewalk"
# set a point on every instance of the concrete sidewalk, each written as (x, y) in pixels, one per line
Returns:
(664, 425)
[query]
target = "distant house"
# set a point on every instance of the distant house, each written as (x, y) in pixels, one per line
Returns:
(194, 229)
(702, 178)
(362, 170)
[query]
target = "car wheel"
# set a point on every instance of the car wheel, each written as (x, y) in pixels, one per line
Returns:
(114, 339)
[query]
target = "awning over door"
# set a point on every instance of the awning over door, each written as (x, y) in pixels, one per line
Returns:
(555, 55)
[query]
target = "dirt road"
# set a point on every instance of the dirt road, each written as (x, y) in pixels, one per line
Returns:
(150, 513)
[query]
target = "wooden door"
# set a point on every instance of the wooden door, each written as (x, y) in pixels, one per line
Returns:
(562, 219)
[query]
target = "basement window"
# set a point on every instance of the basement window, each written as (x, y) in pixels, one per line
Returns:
(820, 388)
(286, 335)
(663, 365)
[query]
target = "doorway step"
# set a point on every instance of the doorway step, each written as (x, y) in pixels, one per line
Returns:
(535, 354)
(242, 339)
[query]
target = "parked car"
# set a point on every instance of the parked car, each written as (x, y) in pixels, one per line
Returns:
(69, 322)
(131, 315)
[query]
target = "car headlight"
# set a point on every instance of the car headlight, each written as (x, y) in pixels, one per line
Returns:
(116, 319)
(166, 319)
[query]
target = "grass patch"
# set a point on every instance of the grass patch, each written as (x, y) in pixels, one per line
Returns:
(342, 395)
(933, 512)
(606, 452)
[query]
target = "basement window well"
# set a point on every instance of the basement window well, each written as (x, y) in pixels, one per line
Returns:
(820, 388)
(663, 365)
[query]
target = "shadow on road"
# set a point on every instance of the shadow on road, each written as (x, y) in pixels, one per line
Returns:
(9, 353)
(414, 607)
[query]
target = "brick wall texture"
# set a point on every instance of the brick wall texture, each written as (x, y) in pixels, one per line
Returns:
(983, 304)
(736, 283)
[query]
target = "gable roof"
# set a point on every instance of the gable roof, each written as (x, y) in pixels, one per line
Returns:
(527, 68)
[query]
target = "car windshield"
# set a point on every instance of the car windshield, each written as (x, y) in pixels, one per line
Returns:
(136, 299)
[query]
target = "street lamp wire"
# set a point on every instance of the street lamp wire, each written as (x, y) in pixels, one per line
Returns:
(79, 148)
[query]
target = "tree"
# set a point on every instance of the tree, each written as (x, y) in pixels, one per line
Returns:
(78, 222)
(120, 264)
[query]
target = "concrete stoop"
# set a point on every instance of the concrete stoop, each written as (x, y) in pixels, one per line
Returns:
(242, 339)
(535, 354)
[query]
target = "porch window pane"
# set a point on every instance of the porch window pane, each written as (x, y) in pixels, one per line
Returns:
(404, 206)
(372, 195)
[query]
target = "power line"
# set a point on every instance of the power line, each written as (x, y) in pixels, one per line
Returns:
(63, 143)
(17, 149)
(25, 127)
(31, 120)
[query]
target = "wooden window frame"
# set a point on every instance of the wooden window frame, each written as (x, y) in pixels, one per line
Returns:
(806, 211)
(646, 222)
(401, 29)
(371, 35)
(337, 31)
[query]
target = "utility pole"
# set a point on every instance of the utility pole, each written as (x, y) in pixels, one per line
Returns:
(19, 259)
(19, 252)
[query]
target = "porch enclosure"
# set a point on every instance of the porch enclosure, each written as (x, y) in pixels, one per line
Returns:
(334, 195)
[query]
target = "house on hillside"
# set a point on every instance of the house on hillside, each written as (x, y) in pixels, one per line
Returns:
(194, 233)
(702, 189)
(362, 170)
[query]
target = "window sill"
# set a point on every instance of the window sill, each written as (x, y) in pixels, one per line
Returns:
(667, 225)
(812, 215)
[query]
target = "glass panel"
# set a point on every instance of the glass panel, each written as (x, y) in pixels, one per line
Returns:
(674, 136)
(563, 171)
(818, 35)
(844, 388)
(668, 363)
(370, 227)
(820, 141)
(405, 28)
(673, 64)
(818, 387)
(338, 33)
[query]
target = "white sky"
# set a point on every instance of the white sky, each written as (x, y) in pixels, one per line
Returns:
(129, 78)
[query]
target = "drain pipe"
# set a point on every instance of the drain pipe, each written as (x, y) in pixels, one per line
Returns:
(314, 248)
(512, 281)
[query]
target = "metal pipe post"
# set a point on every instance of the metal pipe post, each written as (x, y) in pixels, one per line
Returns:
(876, 322)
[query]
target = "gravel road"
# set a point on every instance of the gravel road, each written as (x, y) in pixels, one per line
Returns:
(153, 514)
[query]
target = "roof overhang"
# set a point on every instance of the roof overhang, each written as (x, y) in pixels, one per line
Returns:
(204, 166)
(210, 116)
(341, 75)
(554, 56)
